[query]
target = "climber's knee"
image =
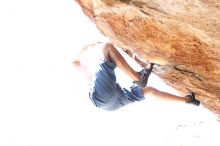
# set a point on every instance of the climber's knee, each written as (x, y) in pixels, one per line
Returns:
(106, 51)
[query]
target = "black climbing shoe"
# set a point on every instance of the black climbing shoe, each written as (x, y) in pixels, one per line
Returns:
(193, 100)
(145, 73)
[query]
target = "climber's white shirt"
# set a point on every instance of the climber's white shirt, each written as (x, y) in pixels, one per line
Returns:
(92, 57)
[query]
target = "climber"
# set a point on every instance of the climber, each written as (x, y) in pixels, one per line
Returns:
(105, 92)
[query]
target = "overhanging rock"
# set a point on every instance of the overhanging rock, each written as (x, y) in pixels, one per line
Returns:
(182, 37)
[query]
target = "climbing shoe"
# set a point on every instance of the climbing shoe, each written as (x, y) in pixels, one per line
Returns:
(193, 100)
(145, 73)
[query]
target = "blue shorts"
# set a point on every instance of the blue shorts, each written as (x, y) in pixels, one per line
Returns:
(106, 93)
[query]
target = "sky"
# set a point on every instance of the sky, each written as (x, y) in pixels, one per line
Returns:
(43, 99)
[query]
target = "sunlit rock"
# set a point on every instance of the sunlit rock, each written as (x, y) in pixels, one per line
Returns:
(182, 37)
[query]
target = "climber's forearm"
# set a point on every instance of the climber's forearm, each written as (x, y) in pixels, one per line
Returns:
(84, 49)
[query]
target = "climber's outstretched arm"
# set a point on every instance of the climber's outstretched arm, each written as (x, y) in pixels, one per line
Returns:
(83, 50)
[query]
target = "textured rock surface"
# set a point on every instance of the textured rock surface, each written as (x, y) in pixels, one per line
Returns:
(182, 37)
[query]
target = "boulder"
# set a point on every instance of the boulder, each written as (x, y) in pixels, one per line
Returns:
(181, 37)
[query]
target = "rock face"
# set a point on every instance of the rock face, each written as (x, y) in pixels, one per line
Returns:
(182, 37)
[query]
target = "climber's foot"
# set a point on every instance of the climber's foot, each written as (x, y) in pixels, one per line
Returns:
(145, 73)
(193, 100)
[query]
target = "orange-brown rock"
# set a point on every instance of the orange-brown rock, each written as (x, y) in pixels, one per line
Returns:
(182, 37)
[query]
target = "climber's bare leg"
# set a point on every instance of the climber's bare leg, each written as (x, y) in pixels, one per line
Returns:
(111, 53)
(150, 91)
